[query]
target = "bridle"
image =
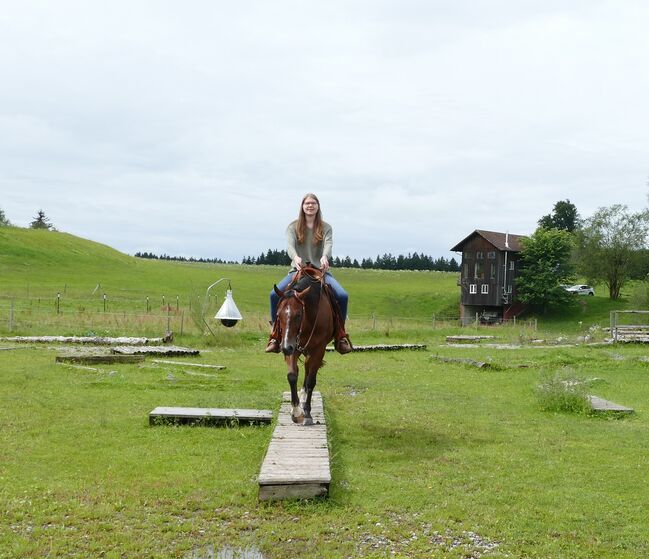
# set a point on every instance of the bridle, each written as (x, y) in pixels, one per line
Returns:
(318, 276)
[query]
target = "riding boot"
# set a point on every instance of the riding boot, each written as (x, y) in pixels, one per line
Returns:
(273, 342)
(343, 344)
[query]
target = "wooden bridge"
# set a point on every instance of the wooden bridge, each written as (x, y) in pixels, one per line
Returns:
(297, 460)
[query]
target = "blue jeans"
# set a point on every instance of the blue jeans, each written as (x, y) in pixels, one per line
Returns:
(338, 291)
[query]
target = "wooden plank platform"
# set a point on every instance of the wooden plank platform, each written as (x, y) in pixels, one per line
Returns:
(599, 404)
(297, 460)
(467, 339)
(103, 358)
(87, 340)
(212, 416)
(384, 347)
(169, 350)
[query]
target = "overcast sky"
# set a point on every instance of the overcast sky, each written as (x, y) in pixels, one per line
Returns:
(194, 128)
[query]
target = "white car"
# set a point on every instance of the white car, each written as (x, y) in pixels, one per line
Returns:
(581, 290)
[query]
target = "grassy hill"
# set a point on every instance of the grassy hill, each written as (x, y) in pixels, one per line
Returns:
(35, 265)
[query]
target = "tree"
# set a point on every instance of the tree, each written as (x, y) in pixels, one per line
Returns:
(606, 245)
(546, 263)
(41, 221)
(4, 222)
(564, 216)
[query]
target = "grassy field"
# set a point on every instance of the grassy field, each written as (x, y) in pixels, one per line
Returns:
(429, 458)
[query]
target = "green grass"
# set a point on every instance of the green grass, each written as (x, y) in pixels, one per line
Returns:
(429, 458)
(423, 453)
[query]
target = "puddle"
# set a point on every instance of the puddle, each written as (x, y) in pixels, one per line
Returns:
(225, 553)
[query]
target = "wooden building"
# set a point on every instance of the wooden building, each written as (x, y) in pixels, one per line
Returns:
(490, 263)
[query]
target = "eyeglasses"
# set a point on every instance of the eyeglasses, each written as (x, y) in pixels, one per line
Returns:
(310, 204)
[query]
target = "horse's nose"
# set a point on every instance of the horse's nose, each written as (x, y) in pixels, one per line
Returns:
(288, 349)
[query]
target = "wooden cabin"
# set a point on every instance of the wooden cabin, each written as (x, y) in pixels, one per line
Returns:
(490, 263)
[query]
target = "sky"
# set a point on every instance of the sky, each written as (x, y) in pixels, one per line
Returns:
(194, 128)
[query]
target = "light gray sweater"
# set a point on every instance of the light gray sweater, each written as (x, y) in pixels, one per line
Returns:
(308, 251)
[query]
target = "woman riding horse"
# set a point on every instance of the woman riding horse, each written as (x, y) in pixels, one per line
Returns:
(310, 240)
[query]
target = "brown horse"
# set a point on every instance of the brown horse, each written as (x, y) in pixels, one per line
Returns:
(306, 323)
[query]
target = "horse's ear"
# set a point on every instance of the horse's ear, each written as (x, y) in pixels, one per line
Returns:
(280, 294)
(301, 294)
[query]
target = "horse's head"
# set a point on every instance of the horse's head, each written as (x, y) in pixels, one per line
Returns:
(290, 314)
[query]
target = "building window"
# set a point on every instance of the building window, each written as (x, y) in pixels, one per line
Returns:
(484, 289)
(466, 270)
(511, 264)
(479, 270)
(478, 255)
(466, 255)
(491, 255)
(493, 271)
(473, 288)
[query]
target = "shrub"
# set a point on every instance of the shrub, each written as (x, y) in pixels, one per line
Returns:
(563, 392)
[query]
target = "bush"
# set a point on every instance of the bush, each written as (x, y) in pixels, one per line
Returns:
(563, 392)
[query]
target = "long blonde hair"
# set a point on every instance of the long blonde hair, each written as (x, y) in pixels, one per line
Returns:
(300, 228)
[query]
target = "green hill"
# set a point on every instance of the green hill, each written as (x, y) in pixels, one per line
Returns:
(40, 264)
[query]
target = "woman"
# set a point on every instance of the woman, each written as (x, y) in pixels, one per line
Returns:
(310, 240)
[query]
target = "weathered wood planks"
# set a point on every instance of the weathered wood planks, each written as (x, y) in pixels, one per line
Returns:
(296, 464)
(94, 359)
(87, 340)
(599, 404)
(384, 347)
(155, 350)
(212, 416)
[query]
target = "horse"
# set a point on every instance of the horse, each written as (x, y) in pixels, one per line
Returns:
(306, 321)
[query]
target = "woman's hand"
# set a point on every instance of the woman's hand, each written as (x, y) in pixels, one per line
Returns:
(324, 264)
(298, 262)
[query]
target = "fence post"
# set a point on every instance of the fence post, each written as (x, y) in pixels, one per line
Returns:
(433, 321)
(476, 321)
(58, 302)
(177, 302)
(182, 322)
(104, 302)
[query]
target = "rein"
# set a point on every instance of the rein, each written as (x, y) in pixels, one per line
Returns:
(318, 276)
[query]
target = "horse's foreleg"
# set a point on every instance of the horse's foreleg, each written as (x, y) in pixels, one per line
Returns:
(297, 413)
(311, 366)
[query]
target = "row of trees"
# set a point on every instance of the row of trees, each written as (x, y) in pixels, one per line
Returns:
(281, 258)
(610, 247)
(152, 256)
(39, 222)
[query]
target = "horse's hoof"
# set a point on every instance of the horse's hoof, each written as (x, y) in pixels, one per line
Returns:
(308, 421)
(297, 419)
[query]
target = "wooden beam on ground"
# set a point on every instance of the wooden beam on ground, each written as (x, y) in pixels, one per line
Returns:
(599, 404)
(463, 360)
(468, 339)
(169, 350)
(209, 416)
(185, 364)
(105, 358)
(296, 465)
(92, 340)
(384, 347)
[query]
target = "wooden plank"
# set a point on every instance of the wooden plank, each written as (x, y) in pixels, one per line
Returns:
(599, 404)
(468, 339)
(186, 364)
(92, 340)
(155, 350)
(105, 358)
(297, 462)
(384, 347)
(161, 415)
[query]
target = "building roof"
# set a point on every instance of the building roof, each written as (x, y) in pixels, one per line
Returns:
(502, 241)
